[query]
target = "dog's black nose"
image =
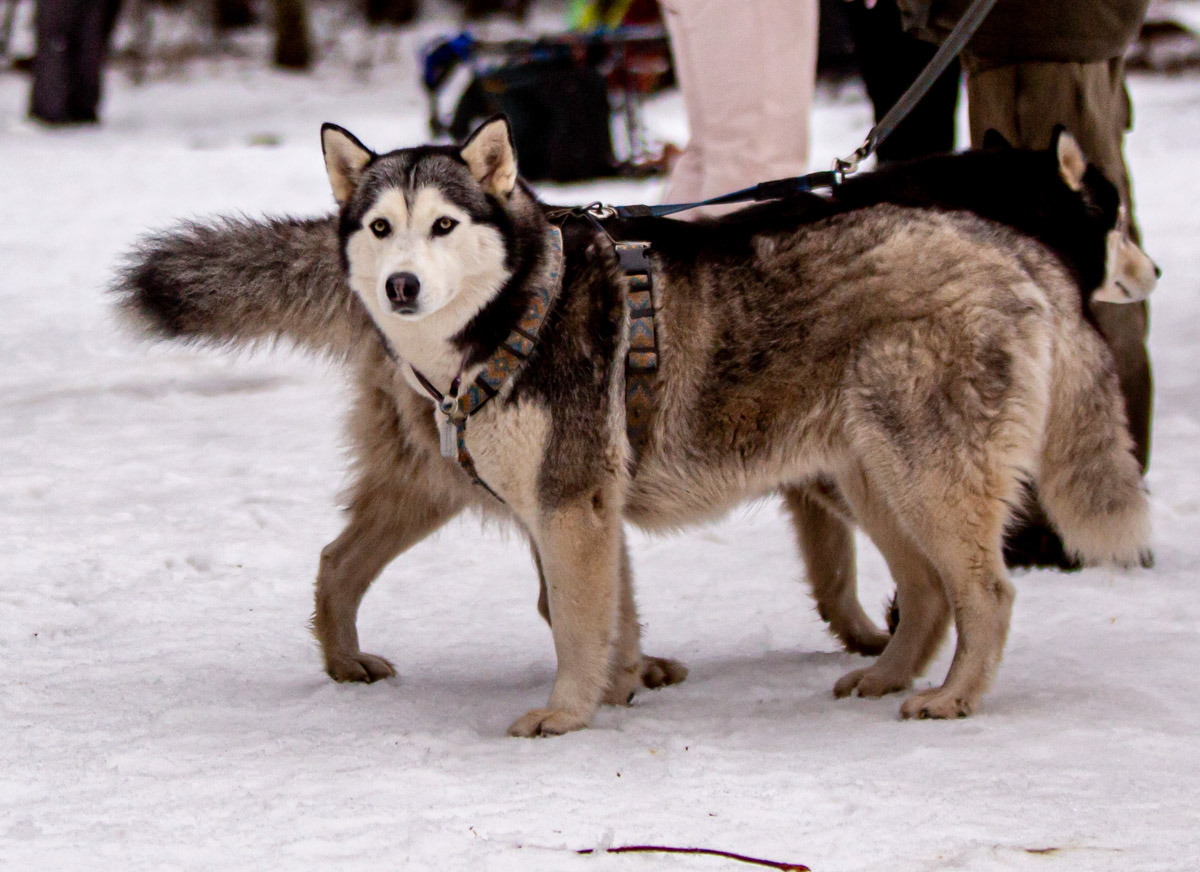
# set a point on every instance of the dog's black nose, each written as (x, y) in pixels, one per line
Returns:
(402, 289)
(1157, 271)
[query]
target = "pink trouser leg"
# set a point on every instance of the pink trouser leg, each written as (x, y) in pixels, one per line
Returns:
(747, 70)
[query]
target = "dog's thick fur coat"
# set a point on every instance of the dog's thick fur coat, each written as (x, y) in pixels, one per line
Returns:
(921, 364)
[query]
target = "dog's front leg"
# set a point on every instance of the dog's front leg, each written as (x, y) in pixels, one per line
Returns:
(630, 669)
(579, 543)
(383, 523)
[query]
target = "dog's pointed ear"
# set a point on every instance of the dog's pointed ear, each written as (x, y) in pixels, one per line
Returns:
(993, 140)
(1072, 165)
(345, 159)
(491, 157)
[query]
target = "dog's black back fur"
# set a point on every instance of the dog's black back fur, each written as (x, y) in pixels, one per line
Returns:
(1015, 187)
(1018, 188)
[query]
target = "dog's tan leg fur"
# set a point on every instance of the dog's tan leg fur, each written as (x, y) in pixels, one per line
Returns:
(957, 514)
(580, 547)
(948, 479)
(625, 672)
(924, 616)
(827, 546)
(958, 517)
(631, 670)
(375, 535)
(982, 598)
(395, 502)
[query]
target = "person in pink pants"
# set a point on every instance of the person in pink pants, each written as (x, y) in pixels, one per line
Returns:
(747, 69)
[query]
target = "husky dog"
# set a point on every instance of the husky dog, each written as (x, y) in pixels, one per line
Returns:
(923, 363)
(1053, 196)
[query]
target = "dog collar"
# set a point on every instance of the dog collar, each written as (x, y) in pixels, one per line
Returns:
(453, 408)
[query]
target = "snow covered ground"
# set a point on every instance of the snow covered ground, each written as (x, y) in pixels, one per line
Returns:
(161, 512)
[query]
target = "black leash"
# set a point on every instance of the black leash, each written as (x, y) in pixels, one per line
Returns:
(842, 167)
(775, 190)
(947, 51)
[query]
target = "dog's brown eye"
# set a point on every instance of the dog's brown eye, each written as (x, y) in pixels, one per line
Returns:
(444, 225)
(380, 227)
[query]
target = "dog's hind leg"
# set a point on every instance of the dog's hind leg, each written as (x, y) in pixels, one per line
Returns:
(827, 547)
(945, 447)
(924, 615)
(580, 546)
(631, 670)
(955, 508)
(972, 568)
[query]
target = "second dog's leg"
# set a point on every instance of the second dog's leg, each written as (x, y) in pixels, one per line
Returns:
(827, 547)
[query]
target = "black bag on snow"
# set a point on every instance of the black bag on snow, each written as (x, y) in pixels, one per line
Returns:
(559, 114)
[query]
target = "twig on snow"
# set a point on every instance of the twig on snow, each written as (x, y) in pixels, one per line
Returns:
(711, 852)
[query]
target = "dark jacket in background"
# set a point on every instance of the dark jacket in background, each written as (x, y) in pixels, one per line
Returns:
(1033, 65)
(1033, 30)
(889, 60)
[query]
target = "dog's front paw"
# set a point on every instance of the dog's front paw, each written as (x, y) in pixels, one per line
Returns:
(546, 722)
(660, 672)
(359, 667)
(870, 682)
(937, 703)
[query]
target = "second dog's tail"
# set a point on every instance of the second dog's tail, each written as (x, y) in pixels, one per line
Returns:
(237, 281)
(1090, 482)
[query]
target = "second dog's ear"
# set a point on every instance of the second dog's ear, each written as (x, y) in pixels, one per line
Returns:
(1072, 164)
(993, 140)
(491, 157)
(345, 160)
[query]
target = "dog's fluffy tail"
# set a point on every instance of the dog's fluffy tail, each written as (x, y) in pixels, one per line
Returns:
(1090, 482)
(236, 281)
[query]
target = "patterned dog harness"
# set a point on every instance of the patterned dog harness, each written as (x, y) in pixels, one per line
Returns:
(454, 408)
(641, 362)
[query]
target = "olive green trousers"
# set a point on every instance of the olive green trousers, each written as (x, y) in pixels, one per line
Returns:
(1024, 102)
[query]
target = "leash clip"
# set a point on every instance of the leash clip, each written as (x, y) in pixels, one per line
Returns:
(848, 166)
(600, 211)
